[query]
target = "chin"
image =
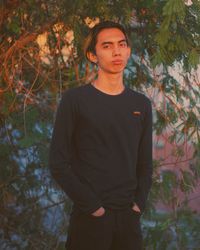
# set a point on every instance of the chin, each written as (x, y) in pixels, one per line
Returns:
(119, 70)
(114, 70)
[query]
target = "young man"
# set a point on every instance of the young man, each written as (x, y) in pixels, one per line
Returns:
(101, 149)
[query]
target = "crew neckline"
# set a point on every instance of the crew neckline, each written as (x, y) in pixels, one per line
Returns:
(106, 94)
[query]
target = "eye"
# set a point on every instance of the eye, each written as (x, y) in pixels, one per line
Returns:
(123, 44)
(107, 46)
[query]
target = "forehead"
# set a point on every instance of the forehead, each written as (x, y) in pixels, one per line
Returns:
(110, 35)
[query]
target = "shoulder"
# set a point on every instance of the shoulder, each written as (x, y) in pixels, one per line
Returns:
(75, 92)
(70, 99)
(139, 97)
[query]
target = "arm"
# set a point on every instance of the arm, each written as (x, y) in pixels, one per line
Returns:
(61, 153)
(144, 163)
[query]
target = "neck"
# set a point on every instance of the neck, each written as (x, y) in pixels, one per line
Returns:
(110, 84)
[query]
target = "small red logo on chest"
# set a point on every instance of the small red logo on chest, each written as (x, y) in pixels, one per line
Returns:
(136, 113)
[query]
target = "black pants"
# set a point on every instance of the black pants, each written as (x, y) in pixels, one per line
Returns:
(115, 230)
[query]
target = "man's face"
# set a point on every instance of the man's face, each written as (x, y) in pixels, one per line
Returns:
(112, 51)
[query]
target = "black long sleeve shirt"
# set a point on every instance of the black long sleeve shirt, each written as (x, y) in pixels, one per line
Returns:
(101, 148)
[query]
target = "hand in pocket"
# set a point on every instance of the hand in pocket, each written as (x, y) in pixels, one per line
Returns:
(136, 208)
(99, 212)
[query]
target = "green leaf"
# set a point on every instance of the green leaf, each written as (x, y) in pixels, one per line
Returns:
(194, 58)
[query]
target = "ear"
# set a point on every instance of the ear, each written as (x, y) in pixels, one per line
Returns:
(91, 57)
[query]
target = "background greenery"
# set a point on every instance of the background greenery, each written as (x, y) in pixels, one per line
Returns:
(39, 61)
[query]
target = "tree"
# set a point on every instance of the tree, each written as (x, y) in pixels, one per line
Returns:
(41, 55)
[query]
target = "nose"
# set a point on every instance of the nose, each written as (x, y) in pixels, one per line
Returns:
(116, 51)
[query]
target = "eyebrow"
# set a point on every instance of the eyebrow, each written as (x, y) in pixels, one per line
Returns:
(104, 43)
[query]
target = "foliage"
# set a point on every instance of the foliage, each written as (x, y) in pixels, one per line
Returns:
(172, 231)
(41, 55)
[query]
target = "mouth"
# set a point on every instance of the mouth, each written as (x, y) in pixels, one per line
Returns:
(117, 62)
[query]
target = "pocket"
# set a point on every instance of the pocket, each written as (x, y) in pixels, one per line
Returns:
(136, 225)
(135, 212)
(98, 217)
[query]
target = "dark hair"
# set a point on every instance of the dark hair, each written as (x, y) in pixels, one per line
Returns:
(91, 39)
